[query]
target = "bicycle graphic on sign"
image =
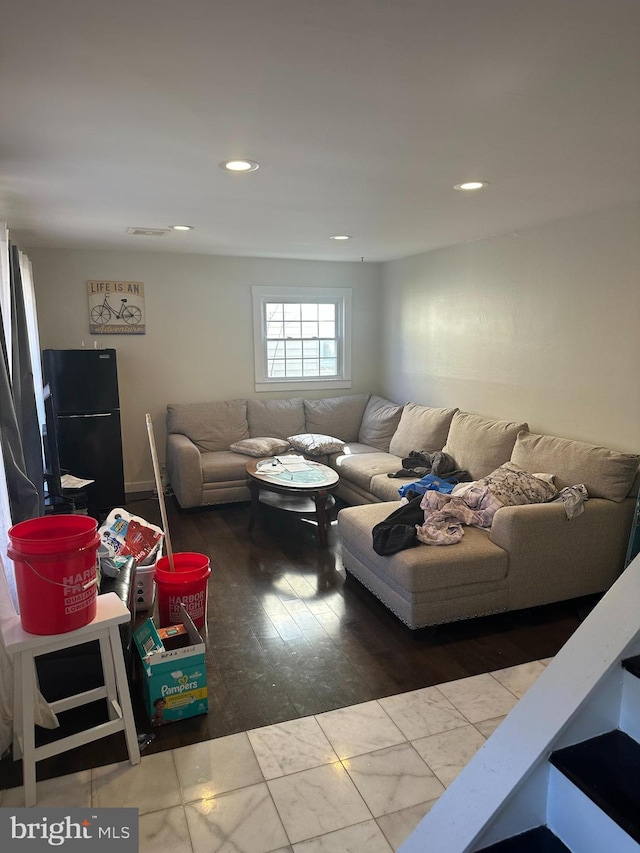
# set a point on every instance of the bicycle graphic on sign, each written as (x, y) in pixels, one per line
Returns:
(116, 307)
(102, 314)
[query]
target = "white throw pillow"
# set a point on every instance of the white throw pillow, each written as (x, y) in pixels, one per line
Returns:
(315, 444)
(260, 446)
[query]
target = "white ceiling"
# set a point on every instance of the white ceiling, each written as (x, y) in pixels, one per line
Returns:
(362, 114)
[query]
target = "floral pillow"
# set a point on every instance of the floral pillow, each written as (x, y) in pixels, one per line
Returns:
(315, 444)
(260, 446)
(514, 486)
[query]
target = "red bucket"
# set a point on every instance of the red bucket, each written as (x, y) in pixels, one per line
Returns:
(55, 559)
(186, 585)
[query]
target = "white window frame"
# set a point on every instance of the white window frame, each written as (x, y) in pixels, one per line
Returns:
(341, 296)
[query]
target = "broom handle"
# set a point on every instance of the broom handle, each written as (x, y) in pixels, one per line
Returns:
(160, 490)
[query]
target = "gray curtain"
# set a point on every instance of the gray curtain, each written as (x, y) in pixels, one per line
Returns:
(19, 430)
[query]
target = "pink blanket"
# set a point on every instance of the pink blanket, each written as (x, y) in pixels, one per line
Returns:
(444, 515)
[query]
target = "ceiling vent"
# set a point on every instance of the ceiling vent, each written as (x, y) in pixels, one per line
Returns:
(148, 232)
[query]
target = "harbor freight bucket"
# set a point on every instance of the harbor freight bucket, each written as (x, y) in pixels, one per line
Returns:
(186, 585)
(55, 559)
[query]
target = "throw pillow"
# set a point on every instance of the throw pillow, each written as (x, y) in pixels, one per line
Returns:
(479, 445)
(379, 423)
(421, 428)
(605, 473)
(210, 426)
(513, 486)
(341, 415)
(260, 446)
(315, 444)
(278, 418)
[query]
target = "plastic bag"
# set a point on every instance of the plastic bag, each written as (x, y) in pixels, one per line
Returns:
(131, 536)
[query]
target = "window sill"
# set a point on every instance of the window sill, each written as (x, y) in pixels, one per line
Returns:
(302, 385)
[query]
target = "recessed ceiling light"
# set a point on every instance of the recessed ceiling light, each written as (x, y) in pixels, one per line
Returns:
(471, 185)
(340, 237)
(239, 165)
(181, 227)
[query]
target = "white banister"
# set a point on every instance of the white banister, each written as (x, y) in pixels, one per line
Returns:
(502, 790)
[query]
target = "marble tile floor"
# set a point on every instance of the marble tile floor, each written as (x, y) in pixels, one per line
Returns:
(355, 779)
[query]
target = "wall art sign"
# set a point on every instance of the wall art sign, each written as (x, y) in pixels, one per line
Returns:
(116, 307)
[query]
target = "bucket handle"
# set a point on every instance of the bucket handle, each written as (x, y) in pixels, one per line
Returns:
(84, 586)
(16, 556)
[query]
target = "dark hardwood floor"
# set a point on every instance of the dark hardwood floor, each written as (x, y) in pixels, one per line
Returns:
(288, 635)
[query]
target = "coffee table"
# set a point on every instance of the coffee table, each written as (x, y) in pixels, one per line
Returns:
(278, 477)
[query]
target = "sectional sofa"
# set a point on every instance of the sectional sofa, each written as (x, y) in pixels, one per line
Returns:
(531, 555)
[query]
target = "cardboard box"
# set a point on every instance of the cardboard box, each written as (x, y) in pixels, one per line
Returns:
(175, 678)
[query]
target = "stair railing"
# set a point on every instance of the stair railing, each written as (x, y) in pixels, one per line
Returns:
(503, 789)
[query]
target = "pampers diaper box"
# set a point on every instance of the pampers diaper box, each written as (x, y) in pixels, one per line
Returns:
(175, 674)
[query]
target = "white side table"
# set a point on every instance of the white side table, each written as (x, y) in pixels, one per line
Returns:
(24, 648)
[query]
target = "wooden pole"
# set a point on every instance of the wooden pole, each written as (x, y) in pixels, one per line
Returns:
(160, 490)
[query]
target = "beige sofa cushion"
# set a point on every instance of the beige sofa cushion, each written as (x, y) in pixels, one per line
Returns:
(352, 449)
(605, 473)
(361, 467)
(336, 416)
(223, 466)
(385, 488)
(210, 426)
(480, 445)
(421, 428)
(276, 418)
(379, 423)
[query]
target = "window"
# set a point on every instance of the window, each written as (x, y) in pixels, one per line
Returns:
(302, 338)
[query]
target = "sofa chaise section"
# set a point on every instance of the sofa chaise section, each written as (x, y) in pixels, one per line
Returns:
(425, 585)
(531, 555)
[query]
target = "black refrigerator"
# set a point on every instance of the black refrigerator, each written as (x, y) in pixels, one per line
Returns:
(84, 391)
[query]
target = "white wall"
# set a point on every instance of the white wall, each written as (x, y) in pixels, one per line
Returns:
(198, 344)
(542, 326)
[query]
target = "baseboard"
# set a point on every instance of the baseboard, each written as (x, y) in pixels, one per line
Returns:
(139, 486)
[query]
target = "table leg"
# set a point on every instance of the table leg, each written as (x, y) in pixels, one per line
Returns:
(321, 516)
(254, 491)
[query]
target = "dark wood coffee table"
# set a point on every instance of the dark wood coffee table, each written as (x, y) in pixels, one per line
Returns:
(265, 476)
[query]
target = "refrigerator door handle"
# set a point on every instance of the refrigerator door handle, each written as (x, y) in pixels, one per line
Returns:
(94, 415)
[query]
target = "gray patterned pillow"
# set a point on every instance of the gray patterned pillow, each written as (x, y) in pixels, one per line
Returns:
(315, 444)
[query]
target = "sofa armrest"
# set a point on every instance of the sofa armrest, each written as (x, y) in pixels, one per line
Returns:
(551, 558)
(184, 470)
